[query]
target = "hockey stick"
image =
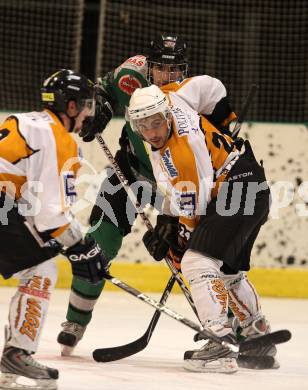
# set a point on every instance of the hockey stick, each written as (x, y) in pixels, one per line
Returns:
(126, 350)
(277, 337)
(240, 119)
(133, 198)
(144, 218)
(122, 351)
(99, 356)
(138, 345)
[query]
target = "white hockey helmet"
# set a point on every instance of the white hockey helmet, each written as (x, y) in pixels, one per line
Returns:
(146, 102)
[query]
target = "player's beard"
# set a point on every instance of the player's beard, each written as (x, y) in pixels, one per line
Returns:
(160, 142)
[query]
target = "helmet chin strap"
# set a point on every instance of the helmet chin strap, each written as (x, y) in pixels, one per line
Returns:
(169, 124)
(72, 125)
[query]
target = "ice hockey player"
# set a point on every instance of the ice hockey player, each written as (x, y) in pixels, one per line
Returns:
(166, 63)
(39, 161)
(216, 201)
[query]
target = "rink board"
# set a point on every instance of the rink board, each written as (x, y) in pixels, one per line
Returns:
(152, 277)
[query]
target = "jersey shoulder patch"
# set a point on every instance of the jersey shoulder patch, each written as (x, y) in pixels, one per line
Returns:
(13, 146)
(128, 84)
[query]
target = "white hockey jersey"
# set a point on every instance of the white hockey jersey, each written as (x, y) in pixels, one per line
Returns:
(190, 166)
(201, 93)
(39, 161)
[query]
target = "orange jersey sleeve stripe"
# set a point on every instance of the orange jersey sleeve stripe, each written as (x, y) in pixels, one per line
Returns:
(187, 180)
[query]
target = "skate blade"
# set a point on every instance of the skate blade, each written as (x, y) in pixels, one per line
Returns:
(223, 365)
(258, 362)
(17, 382)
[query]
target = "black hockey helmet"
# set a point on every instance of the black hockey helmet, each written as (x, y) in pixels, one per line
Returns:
(63, 86)
(168, 49)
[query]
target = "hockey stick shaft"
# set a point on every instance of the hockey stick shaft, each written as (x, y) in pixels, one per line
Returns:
(176, 316)
(116, 353)
(144, 218)
(123, 351)
(240, 119)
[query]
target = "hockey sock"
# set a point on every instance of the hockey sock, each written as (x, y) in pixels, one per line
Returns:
(243, 299)
(208, 291)
(29, 306)
(82, 300)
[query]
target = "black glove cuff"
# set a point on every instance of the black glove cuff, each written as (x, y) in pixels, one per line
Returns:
(163, 219)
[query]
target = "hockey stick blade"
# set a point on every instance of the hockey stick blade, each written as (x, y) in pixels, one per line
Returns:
(278, 337)
(170, 313)
(105, 355)
(126, 350)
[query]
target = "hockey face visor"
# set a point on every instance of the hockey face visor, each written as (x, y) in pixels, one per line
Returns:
(161, 73)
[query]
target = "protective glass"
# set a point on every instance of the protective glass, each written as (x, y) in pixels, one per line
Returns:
(149, 123)
(88, 104)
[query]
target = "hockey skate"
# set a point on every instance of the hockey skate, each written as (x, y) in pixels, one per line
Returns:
(257, 357)
(70, 336)
(212, 357)
(19, 369)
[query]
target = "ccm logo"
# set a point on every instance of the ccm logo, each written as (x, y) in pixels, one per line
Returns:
(86, 256)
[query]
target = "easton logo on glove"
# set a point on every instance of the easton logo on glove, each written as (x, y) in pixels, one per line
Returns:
(85, 256)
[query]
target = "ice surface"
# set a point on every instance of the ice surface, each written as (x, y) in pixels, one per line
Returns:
(120, 318)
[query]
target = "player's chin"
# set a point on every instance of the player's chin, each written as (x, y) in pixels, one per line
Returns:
(159, 83)
(157, 143)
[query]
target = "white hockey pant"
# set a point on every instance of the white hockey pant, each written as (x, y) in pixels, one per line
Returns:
(29, 306)
(213, 291)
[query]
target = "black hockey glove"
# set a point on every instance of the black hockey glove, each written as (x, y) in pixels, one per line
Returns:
(162, 237)
(103, 113)
(87, 260)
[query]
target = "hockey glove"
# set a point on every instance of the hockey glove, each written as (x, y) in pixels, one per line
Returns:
(103, 113)
(158, 240)
(87, 260)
